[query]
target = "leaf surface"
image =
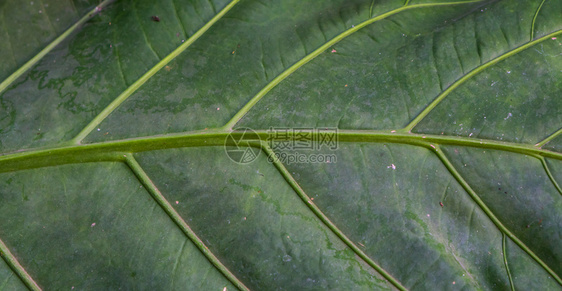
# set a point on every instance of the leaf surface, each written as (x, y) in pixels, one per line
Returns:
(117, 122)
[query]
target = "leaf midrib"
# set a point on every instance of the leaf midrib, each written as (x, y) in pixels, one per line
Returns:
(110, 150)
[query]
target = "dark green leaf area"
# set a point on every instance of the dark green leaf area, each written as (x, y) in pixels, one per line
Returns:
(526, 273)
(8, 279)
(255, 223)
(184, 97)
(515, 100)
(384, 75)
(524, 199)
(388, 198)
(26, 27)
(101, 231)
(73, 83)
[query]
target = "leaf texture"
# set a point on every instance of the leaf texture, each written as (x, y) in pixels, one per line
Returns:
(116, 119)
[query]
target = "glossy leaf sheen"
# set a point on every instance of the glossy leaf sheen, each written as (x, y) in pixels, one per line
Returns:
(113, 172)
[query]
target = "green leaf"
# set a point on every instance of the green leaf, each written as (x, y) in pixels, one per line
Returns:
(126, 159)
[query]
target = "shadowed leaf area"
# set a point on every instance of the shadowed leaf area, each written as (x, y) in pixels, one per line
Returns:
(296, 145)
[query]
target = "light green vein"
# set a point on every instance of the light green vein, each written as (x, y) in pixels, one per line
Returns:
(504, 251)
(300, 192)
(489, 213)
(111, 150)
(534, 19)
(230, 124)
(471, 74)
(17, 268)
(144, 78)
(549, 173)
(549, 138)
(180, 222)
(14, 76)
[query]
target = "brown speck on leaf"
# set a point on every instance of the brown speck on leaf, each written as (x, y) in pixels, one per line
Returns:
(155, 18)
(168, 68)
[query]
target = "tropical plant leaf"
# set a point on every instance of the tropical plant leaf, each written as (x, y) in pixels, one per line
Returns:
(341, 144)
